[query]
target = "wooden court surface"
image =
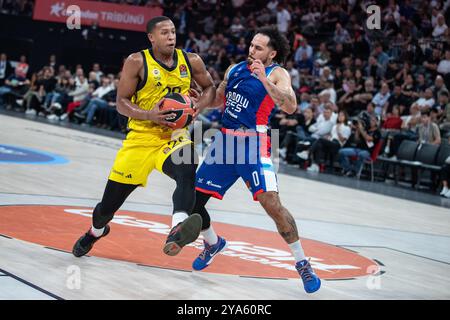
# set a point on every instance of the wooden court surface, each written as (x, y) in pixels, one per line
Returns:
(45, 207)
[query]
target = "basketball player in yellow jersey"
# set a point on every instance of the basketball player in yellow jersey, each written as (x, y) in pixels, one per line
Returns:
(147, 76)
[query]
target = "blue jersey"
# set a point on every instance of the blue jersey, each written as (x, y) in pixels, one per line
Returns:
(247, 103)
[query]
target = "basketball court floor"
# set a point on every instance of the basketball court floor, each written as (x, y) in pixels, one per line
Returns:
(363, 245)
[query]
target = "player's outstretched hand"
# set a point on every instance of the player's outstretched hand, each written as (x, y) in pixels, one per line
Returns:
(160, 116)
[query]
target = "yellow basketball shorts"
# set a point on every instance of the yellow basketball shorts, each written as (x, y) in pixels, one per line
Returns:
(142, 152)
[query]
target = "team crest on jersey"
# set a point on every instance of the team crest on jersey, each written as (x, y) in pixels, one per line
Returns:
(183, 71)
(157, 74)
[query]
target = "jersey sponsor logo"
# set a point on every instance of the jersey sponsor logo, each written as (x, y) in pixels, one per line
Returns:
(250, 251)
(183, 71)
(212, 184)
(237, 85)
(156, 74)
(236, 102)
(118, 172)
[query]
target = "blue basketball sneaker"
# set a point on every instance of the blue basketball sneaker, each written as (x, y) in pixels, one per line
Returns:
(311, 281)
(208, 254)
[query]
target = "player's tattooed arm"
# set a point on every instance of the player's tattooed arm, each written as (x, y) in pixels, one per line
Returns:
(278, 85)
(132, 72)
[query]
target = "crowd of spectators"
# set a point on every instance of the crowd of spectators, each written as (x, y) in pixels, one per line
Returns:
(356, 88)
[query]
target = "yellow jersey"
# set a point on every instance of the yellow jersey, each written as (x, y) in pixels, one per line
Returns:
(159, 80)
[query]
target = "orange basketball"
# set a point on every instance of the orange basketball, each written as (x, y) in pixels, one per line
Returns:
(182, 108)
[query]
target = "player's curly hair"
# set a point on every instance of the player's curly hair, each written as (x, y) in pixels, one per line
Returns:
(277, 41)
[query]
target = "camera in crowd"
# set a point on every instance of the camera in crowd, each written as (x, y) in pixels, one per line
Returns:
(364, 118)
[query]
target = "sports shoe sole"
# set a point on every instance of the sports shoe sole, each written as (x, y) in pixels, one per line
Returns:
(189, 232)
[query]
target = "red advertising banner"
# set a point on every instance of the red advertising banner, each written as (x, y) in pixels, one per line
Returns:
(106, 15)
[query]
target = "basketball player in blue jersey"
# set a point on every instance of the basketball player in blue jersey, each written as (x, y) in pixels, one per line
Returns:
(250, 91)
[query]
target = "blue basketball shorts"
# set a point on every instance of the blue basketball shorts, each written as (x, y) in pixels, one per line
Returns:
(235, 154)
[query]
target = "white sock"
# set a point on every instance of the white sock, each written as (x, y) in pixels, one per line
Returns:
(297, 250)
(97, 232)
(178, 217)
(210, 236)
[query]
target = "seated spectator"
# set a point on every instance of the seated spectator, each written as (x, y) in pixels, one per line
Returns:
(391, 126)
(16, 85)
(359, 146)
(445, 177)
(96, 102)
(305, 65)
(370, 109)
(241, 50)
(283, 18)
(439, 86)
(381, 98)
(421, 84)
(330, 90)
(440, 28)
(337, 55)
(327, 147)
(341, 35)
(303, 48)
(428, 130)
(305, 120)
(362, 98)
(374, 69)
(6, 69)
(444, 65)
(22, 67)
(54, 100)
(295, 75)
(320, 129)
(34, 97)
(396, 99)
(346, 101)
(409, 129)
(237, 30)
(444, 105)
(426, 100)
(203, 45)
(393, 121)
(323, 55)
(381, 56)
(392, 70)
(431, 63)
(409, 90)
(93, 79)
(98, 72)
